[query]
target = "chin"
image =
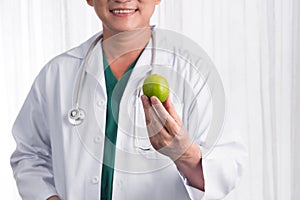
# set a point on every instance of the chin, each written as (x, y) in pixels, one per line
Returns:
(127, 28)
(123, 28)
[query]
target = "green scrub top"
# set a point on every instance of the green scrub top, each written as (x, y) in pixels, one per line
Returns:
(111, 127)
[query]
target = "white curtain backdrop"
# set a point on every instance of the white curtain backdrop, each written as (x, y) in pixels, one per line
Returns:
(255, 45)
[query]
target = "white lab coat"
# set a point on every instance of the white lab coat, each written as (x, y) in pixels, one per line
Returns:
(55, 158)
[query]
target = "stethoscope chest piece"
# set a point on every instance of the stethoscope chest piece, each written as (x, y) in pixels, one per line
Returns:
(76, 116)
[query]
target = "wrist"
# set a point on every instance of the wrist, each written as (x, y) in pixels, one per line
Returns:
(53, 198)
(190, 165)
(191, 156)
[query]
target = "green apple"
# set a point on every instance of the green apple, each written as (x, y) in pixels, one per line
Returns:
(156, 85)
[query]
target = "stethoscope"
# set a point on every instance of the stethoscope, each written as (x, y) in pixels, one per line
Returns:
(76, 115)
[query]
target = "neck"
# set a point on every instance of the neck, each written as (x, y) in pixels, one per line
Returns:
(124, 43)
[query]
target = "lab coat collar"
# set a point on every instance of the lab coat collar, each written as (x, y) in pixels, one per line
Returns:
(81, 51)
(95, 63)
(145, 58)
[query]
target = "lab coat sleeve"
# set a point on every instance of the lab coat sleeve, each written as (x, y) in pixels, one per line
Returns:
(223, 167)
(222, 170)
(224, 164)
(31, 161)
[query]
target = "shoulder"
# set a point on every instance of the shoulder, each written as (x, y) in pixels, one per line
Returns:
(182, 53)
(179, 44)
(71, 59)
(65, 66)
(76, 53)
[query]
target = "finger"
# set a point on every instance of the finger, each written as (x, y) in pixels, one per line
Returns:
(154, 125)
(171, 109)
(161, 112)
(147, 106)
(162, 139)
(166, 119)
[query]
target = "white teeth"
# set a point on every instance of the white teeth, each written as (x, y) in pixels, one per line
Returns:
(123, 11)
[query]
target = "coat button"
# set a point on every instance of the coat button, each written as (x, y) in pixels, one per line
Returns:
(120, 185)
(100, 103)
(98, 139)
(95, 180)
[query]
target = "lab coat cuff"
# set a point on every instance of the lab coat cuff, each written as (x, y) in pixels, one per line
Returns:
(47, 194)
(194, 193)
(219, 176)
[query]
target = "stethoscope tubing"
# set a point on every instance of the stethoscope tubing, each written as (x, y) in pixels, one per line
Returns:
(76, 114)
(79, 91)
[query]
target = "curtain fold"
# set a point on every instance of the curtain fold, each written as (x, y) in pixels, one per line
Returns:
(295, 140)
(255, 45)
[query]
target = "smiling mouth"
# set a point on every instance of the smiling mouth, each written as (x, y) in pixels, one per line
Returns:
(123, 11)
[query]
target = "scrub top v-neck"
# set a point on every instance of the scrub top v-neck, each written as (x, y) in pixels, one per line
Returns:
(114, 95)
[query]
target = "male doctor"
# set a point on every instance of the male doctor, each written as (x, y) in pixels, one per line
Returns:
(125, 148)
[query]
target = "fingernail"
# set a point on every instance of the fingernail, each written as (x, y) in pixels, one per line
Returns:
(144, 97)
(154, 100)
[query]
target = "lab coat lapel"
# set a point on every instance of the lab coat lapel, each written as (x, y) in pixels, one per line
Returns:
(130, 99)
(95, 64)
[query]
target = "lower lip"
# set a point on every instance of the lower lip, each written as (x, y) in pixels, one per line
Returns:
(123, 14)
